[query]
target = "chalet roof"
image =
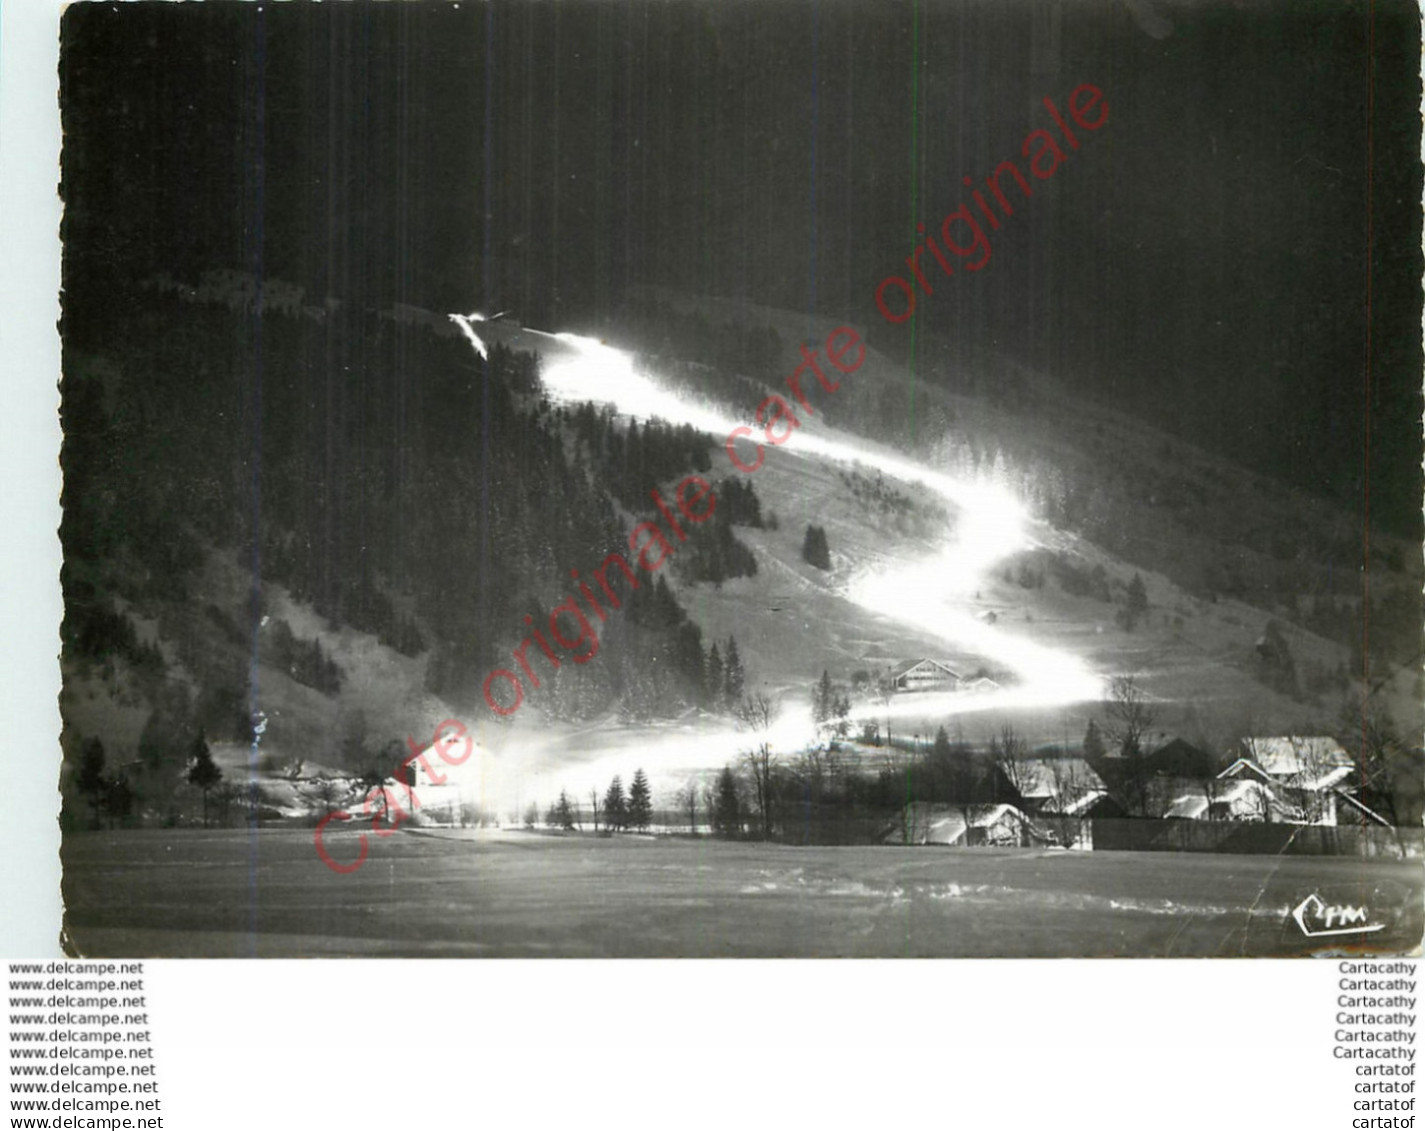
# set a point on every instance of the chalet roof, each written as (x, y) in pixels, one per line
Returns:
(1074, 805)
(910, 665)
(1046, 777)
(947, 824)
(1189, 798)
(1314, 778)
(982, 816)
(1285, 755)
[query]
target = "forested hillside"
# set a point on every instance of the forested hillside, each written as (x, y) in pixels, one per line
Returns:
(375, 482)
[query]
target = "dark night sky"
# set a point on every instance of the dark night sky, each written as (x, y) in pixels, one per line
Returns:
(1202, 257)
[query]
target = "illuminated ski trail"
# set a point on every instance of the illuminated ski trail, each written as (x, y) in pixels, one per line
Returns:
(991, 525)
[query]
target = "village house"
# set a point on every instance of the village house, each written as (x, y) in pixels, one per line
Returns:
(1306, 773)
(1289, 779)
(967, 826)
(1309, 762)
(1064, 786)
(1181, 759)
(925, 675)
(1215, 799)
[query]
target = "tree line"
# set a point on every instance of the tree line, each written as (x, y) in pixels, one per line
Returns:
(617, 811)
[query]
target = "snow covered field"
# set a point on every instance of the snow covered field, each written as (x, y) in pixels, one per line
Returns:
(452, 893)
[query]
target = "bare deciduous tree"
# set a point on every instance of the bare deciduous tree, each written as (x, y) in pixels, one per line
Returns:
(1381, 759)
(1315, 760)
(1130, 719)
(756, 713)
(1212, 793)
(885, 695)
(812, 768)
(686, 800)
(1010, 754)
(1069, 785)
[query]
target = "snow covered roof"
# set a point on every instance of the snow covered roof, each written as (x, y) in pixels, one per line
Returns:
(1240, 789)
(1252, 797)
(982, 816)
(1313, 777)
(947, 824)
(1072, 806)
(1287, 755)
(1328, 780)
(1048, 777)
(910, 665)
(1189, 798)
(1188, 807)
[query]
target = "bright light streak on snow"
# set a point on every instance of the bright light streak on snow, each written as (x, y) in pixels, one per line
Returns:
(466, 323)
(684, 751)
(990, 524)
(601, 373)
(908, 594)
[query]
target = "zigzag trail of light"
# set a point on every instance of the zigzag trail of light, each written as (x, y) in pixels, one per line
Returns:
(991, 525)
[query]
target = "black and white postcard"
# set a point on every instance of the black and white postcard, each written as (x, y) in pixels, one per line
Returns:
(715, 479)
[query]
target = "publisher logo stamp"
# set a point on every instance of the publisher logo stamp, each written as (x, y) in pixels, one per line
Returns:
(1316, 918)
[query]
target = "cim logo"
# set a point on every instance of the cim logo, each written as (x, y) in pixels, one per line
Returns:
(1316, 917)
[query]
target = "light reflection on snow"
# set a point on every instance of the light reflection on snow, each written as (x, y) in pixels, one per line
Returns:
(598, 372)
(990, 525)
(920, 595)
(466, 322)
(992, 521)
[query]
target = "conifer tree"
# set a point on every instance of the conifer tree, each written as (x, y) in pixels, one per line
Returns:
(1137, 602)
(733, 676)
(90, 779)
(203, 772)
(640, 801)
(823, 699)
(564, 812)
(689, 661)
(815, 550)
(167, 736)
(118, 798)
(713, 680)
(727, 805)
(615, 806)
(1093, 742)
